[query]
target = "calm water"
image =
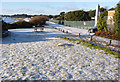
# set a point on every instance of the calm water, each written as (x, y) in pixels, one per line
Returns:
(9, 20)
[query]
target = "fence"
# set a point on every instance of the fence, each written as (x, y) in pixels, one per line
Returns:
(76, 24)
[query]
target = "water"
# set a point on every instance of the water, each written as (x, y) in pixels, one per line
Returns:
(9, 20)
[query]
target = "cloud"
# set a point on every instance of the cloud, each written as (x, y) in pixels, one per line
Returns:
(25, 9)
(22, 10)
(60, 0)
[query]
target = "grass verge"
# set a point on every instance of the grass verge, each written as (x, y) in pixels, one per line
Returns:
(91, 45)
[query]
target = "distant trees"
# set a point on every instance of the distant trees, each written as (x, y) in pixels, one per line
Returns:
(21, 16)
(102, 9)
(39, 20)
(112, 8)
(79, 15)
(62, 15)
(117, 19)
(50, 16)
(92, 13)
(19, 24)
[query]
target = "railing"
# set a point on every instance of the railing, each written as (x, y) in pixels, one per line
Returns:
(76, 24)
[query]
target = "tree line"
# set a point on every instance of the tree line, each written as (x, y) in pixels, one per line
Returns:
(81, 15)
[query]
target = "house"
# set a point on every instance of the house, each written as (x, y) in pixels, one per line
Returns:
(110, 17)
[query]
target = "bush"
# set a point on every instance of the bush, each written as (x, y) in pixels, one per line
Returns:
(39, 20)
(117, 19)
(4, 26)
(19, 24)
(108, 35)
(102, 25)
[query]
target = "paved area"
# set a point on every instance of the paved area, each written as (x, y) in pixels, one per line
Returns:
(36, 55)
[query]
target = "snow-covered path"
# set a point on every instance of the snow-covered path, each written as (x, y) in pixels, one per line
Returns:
(35, 55)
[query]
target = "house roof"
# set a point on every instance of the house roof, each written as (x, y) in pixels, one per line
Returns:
(111, 11)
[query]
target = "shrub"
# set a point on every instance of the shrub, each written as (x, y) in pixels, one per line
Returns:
(19, 24)
(58, 18)
(102, 25)
(39, 20)
(108, 35)
(4, 26)
(117, 19)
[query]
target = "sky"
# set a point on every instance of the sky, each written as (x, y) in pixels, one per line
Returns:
(10, 7)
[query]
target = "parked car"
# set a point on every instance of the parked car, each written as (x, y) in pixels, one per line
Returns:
(92, 30)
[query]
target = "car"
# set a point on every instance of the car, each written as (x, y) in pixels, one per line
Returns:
(92, 30)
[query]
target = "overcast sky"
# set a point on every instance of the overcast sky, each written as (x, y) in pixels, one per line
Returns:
(50, 8)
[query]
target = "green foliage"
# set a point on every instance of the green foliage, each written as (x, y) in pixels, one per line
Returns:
(19, 24)
(102, 25)
(92, 13)
(50, 16)
(105, 13)
(21, 15)
(54, 17)
(62, 15)
(117, 19)
(102, 9)
(112, 8)
(71, 39)
(4, 26)
(58, 18)
(79, 15)
(91, 45)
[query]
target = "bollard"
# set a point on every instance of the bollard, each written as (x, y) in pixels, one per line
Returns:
(79, 35)
(66, 31)
(90, 38)
(35, 29)
(109, 42)
(41, 29)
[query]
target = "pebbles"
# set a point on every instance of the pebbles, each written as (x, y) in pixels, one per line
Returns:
(46, 60)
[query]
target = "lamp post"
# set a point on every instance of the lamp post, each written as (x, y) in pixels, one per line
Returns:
(97, 14)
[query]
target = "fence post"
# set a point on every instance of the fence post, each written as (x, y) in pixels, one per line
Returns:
(79, 35)
(66, 31)
(63, 31)
(109, 42)
(91, 38)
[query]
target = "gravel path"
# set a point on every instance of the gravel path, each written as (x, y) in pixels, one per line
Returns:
(32, 56)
